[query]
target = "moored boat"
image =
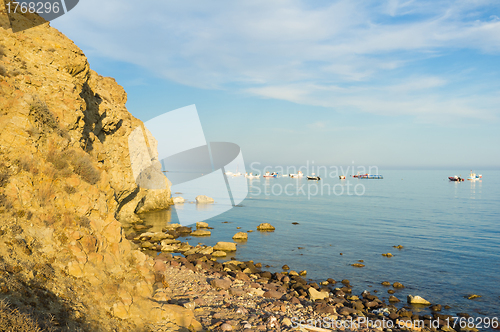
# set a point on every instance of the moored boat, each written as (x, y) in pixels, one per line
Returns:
(270, 175)
(313, 177)
(456, 178)
(370, 176)
(342, 177)
(474, 176)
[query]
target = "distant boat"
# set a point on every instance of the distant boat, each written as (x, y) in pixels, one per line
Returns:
(342, 177)
(314, 177)
(456, 178)
(251, 176)
(270, 175)
(298, 175)
(474, 176)
(367, 176)
(285, 175)
(370, 176)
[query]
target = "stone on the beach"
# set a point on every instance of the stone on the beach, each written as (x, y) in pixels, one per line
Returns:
(303, 273)
(178, 200)
(358, 265)
(398, 285)
(225, 246)
(202, 199)
(265, 227)
(154, 237)
(168, 248)
(206, 251)
(285, 267)
(220, 283)
(236, 291)
(201, 224)
(417, 300)
(293, 273)
(273, 294)
(398, 247)
(388, 254)
(226, 327)
(317, 295)
(391, 291)
(201, 232)
(219, 253)
(240, 236)
(257, 291)
(250, 231)
(286, 322)
(386, 283)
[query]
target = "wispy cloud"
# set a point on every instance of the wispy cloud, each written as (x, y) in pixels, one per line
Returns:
(347, 55)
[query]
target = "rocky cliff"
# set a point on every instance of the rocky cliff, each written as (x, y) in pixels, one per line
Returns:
(66, 184)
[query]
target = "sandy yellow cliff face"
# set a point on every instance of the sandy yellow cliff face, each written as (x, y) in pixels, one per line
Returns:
(66, 185)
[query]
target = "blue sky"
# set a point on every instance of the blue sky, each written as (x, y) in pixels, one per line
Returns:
(410, 84)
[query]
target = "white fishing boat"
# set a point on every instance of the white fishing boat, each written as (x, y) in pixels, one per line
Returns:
(474, 176)
(251, 176)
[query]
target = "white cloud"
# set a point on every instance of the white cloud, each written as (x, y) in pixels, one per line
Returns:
(333, 56)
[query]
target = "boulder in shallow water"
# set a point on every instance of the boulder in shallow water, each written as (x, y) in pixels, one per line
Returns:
(240, 236)
(202, 199)
(178, 200)
(225, 246)
(417, 300)
(201, 232)
(266, 227)
(219, 253)
(201, 224)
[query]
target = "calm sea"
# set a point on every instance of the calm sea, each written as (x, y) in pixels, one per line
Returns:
(450, 233)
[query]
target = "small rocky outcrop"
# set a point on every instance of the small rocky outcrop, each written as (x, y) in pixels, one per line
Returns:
(241, 236)
(417, 300)
(202, 199)
(266, 227)
(225, 246)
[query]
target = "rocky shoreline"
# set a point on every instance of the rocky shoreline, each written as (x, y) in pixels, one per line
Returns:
(241, 296)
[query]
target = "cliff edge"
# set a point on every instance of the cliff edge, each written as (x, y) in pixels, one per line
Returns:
(66, 184)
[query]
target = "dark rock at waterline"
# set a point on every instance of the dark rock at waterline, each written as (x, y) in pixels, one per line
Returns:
(331, 281)
(436, 307)
(392, 298)
(398, 285)
(391, 291)
(295, 223)
(386, 283)
(184, 230)
(463, 314)
(285, 267)
(345, 282)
